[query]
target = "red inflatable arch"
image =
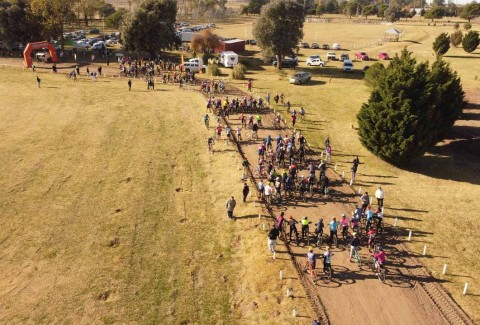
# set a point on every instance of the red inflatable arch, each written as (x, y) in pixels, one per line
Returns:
(27, 54)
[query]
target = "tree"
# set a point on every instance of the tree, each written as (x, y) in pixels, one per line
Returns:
(331, 7)
(350, 8)
(206, 42)
(106, 9)
(441, 44)
(116, 19)
(438, 3)
(368, 10)
(381, 10)
(411, 108)
(320, 10)
(456, 38)
(435, 13)
(470, 41)
(53, 15)
(372, 74)
(467, 26)
(254, 6)
(17, 25)
(279, 28)
(470, 11)
(87, 8)
(152, 27)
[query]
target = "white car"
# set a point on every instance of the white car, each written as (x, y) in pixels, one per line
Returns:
(99, 45)
(300, 77)
(336, 46)
(313, 57)
(111, 42)
(82, 44)
(331, 56)
(347, 66)
(317, 62)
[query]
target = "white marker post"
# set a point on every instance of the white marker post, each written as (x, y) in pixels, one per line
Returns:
(335, 167)
(465, 288)
(259, 216)
(359, 190)
(321, 155)
(238, 167)
(281, 275)
(294, 312)
(444, 269)
(410, 235)
(289, 292)
(424, 249)
(254, 204)
(371, 200)
(395, 222)
(343, 175)
(263, 226)
(274, 253)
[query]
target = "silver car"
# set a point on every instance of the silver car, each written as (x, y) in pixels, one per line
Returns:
(300, 77)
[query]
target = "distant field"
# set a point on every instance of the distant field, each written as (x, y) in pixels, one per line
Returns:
(436, 196)
(113, 211)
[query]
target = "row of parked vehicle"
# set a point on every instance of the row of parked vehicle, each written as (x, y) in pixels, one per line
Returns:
(186, 28)
(305, 45)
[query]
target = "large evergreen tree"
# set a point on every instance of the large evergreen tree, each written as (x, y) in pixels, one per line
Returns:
(441, 44)
(279, 28)
(411, 108)
(470, 41)
(152, 27)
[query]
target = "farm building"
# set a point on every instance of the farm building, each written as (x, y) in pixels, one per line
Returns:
(235, 45)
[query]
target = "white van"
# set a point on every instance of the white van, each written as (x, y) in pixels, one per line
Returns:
(197, 60)
(194, 67)
(229, 59)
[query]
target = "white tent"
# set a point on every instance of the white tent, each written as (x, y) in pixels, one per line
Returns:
(392, 35)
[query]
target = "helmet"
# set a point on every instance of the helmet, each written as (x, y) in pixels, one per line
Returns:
(343, 215)
(354, 234)
(302, 176)
(310, 249)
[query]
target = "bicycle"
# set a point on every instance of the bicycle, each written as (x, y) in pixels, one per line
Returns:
(309, 269)
(356, 256)
(378, 269)
(328, 273)
(252, 135)
(319, 239)
(260, 172)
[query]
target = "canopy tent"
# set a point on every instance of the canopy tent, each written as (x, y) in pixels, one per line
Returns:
(392, 35)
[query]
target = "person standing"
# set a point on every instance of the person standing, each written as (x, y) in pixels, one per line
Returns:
(99, 70)
(380, 194)
(231, 203)
(268, 193)
(272, 238)
(333, 229)
(293, 228)
(108, 62)
(129, 84)
(365, 201)
(33, 67)
(245, 191)
(38, 81)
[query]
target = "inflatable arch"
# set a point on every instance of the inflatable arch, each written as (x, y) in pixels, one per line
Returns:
(27, 54)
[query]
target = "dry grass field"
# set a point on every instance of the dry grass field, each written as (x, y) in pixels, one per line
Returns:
(437, 197)
(113, 211)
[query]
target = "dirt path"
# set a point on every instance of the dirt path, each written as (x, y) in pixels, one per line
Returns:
(408, 296)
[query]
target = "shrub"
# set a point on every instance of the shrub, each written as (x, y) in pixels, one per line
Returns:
(456, 26)
(467, 26)
(373, 73)
(238, 72)
(213, 70)
(456, 38)
(470, 41)
(441, 44)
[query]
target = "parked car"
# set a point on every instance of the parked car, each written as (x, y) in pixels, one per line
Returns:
(43, 57)
(336, 46)
(383, 56)
(184, 24)
(315, 46)
(326, 47)
(82, 44)
(331, 56)
(313, 57)
(304, 45)
(362, 56)
(300, 77)
(99, 45)
(94, 31)
(344, 57)
(316, 62)
(287, 62)
(347, 66)
(251, 42)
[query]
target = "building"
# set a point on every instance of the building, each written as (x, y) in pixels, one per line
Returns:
(235, 45)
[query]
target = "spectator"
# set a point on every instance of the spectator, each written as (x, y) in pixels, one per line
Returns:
(272, 238)
(379, 194)
(245, 191)
(231, 203)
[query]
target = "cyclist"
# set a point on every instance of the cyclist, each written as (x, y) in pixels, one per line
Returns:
(293, 228)
(371, 239)
(259, 119)
(355, 223)
(327, 260)
(261, 188)
(210, 143)
(206, 119)
(378, 214)
(228, 131)
(333, 229)
(379, 258)
(369, 216)
(239, 132)
(255, 130)
(365, 201)
(268, 142)
(344, 223)
(305, 231)
(354, 243)
(312, 261)
(319, 226)
(280, 220)
(302, 113)
(219, 131)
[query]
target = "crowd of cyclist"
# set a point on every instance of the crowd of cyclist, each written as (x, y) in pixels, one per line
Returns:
(280, 179)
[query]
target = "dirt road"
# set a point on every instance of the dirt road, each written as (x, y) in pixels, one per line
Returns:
(409, 294)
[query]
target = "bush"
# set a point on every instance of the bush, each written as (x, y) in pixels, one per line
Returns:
(470, 41)
(441, 44)
(238, 72)
(372, 74)
(213, 70)
(456, 26)
(410, 109)
(456, 38)
(467, 26)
